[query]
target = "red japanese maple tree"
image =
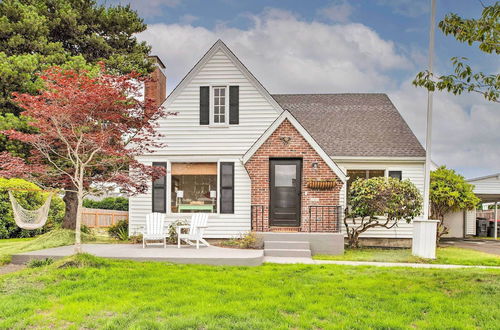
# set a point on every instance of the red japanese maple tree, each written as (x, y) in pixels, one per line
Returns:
(90, 128)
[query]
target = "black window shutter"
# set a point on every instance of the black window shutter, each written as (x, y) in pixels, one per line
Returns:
(396, 174)
(226, 187)
(204, 105)
(234, 104)
(159, 191)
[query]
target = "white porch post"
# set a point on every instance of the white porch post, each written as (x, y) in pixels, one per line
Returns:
(495, 226)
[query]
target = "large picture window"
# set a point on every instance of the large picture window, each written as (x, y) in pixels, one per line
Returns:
(194, 187)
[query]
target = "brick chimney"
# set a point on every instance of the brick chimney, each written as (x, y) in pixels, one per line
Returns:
(157, 88)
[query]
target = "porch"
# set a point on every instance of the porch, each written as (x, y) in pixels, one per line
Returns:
(210, 255)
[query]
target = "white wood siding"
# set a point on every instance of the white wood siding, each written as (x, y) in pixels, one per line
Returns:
(186, 140)
(412, 171)
(489, 185)
(183, 133)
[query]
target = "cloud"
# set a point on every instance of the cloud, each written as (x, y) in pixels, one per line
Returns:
(291, 55)
(288, 54)
(338, 11)
(465, 128)
(409, 8)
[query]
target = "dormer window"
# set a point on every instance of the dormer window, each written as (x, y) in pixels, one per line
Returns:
(220, 106)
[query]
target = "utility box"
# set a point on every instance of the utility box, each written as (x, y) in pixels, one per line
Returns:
(424, 238)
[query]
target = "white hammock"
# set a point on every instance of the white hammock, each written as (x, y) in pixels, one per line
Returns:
(30, 219)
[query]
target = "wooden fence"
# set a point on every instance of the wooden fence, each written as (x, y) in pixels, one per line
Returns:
(99, 218)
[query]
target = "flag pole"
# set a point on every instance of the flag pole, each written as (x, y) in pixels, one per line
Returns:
(428, 138)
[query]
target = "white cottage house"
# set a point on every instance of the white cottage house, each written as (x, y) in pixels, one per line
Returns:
(271, 163)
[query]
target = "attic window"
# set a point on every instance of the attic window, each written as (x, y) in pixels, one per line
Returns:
(220, 106)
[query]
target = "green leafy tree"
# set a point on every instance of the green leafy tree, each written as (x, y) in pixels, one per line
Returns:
(72, 34)
(483, 32)
(380, 202)
(108, 203)
(449, 192)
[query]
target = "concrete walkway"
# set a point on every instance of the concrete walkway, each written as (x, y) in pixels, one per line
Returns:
(281, 260)
(211, 255)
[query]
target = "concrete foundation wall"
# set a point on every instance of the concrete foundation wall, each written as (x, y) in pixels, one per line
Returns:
(386, 242)
(320, 243)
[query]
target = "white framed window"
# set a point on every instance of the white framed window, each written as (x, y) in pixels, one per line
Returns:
(219, 112)
(193, 187)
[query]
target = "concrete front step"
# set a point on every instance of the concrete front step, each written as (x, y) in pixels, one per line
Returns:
(304, 245)
(303, 253)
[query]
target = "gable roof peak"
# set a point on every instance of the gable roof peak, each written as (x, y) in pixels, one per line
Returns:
(219, 44)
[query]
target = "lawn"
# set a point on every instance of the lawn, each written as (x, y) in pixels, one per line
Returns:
(54, 238)
(116, 294)
(445, 255)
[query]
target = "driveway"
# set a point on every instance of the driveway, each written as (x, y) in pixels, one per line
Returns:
(483, 245)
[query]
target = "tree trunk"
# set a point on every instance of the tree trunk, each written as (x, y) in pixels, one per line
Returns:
(78, 231)
(71, 201)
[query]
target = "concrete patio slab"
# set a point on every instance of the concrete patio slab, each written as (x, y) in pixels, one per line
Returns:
(211, 255)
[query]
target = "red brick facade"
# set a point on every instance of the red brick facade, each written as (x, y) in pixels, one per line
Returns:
(277, 146)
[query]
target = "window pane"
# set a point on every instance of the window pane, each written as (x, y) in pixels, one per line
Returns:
(194, 187)
(396, 174)
(375, 173)
(219, 107)
(284, 175)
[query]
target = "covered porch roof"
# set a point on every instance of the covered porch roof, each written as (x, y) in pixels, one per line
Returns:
(487, 188)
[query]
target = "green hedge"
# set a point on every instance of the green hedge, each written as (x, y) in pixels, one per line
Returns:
(108, 203)
(28, 200)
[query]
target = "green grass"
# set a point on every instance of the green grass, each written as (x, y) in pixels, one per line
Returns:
(90, 292)
(445, 255)
(54, 238)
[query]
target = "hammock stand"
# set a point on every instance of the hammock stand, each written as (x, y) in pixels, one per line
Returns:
(30, 219)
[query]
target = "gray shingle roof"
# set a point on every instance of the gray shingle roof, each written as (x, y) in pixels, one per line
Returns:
(353, 124)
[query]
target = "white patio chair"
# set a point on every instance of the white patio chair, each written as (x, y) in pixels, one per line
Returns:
(155, 229)
(196, 230)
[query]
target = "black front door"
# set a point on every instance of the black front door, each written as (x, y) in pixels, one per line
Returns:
(285, 180)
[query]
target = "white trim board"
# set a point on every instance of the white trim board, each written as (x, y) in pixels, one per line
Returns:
(287, 115)
(220, 45)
